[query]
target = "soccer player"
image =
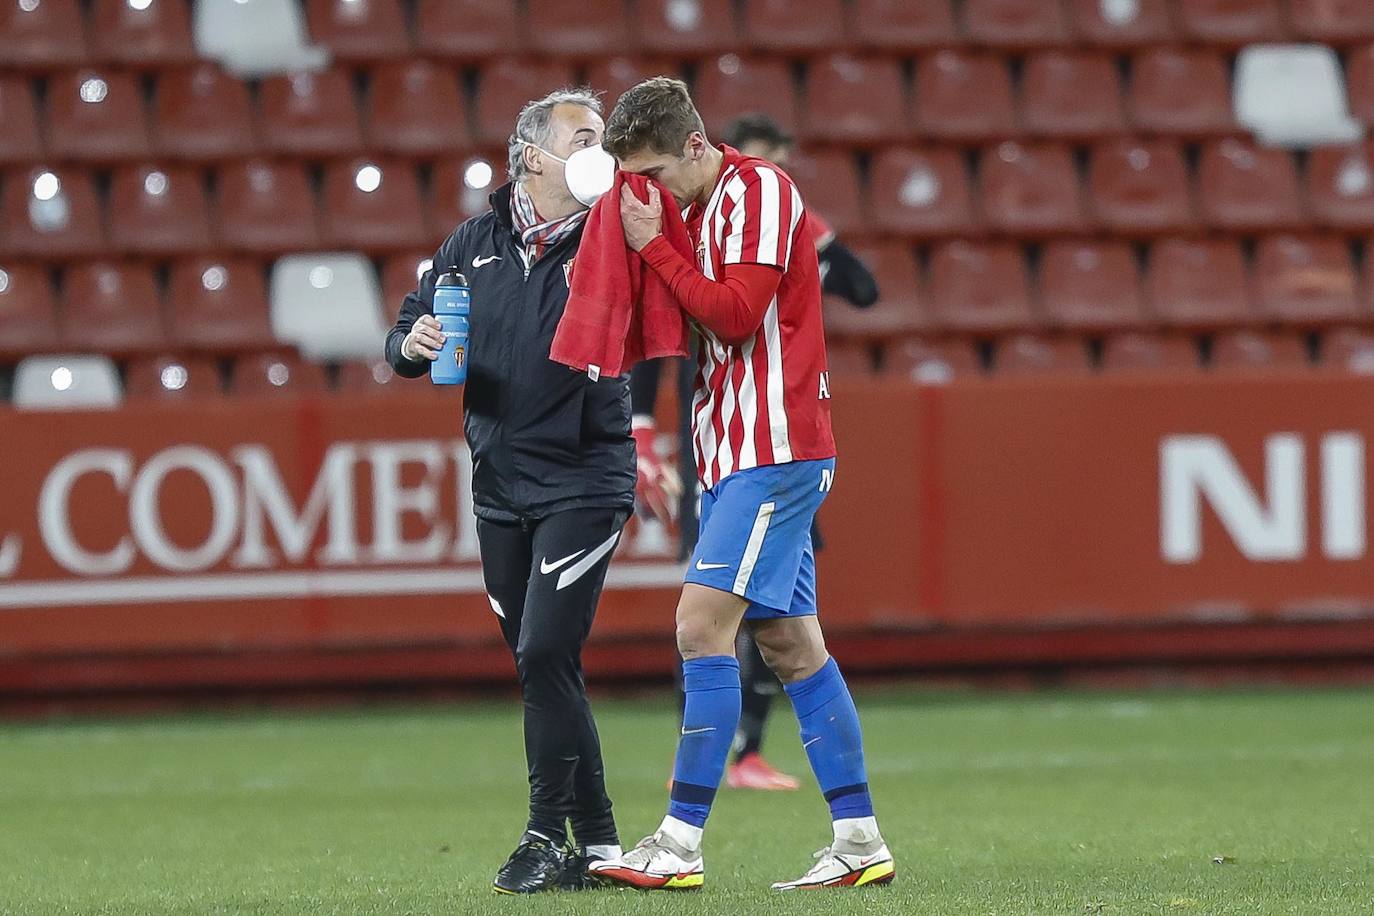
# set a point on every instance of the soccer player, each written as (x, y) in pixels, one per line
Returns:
(843, 274)
(766, 460)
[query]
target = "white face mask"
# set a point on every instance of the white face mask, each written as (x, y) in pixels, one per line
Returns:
(588, 172)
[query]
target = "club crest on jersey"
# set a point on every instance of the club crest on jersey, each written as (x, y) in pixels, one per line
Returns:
(567, 272)
(701, 255)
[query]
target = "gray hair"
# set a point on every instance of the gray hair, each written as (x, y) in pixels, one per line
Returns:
(533, 127)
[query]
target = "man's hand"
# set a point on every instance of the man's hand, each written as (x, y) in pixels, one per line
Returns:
(658, 489)
(425, 339)
(643, 222)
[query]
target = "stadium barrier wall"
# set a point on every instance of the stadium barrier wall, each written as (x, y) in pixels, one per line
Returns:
(278, 542)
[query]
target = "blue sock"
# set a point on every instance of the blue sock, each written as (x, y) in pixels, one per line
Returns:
(708, 729)
(833, 741)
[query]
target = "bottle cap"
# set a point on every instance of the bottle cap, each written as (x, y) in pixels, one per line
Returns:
(451, 278)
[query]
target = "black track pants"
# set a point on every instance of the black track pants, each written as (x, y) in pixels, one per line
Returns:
(545, 576)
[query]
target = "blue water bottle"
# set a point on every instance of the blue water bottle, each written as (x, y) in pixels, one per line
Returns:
(452, 305)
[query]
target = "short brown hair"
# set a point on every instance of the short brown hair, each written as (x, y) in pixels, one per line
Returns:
(656, 114)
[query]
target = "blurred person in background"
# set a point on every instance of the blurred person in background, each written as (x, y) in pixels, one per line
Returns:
(553, 467)
(660, 489)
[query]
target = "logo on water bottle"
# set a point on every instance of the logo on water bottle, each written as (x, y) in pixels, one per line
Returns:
(458, 356)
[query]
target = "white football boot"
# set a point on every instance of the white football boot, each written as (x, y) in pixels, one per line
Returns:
(658, 862)
(846, 864)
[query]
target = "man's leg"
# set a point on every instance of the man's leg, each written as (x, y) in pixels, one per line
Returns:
(570, 555)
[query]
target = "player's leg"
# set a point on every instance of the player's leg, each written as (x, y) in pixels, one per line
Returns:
(749, 770)
(794, 648)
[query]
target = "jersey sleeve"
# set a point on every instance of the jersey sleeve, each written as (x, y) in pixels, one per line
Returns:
(760, 225)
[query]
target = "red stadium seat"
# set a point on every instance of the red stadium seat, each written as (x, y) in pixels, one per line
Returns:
(848, 359)
(1091, 286)
(1031, 189)
(900, 25)
(20, 141)
(372, 205)
(1033, 356)
(275, 375)
(172, 378)
(685, 27)
(219, 305)
(1119, 25)
(1359, 80)
(416, 108)
(158, 210)
(1230, 22)
(921, 192)
(42, 36)
(1198, 283)
(1140, 187)
(829, 185)
(111, 308)
(778, 25)
(401, 276)
(506, 85)
(310, 114)
(1183, 92)
(979, 287)
(1071, 95)
(465, 29)
(1131, 353)
(266, 207)
(1332, 21)
(202, 114)
(591, 28)
(96, 116)
(899, 309)
(963, 97)
(1015, 23)
(451, 201)
(359, 30)
(50, 213)
(1340, 186)
(1306, 280)
(731, 86)
(158, 35)
(28, 310)
(924, 362)
(1244, 187)
(855, 100)
(1251, 350)
(1349, 350)
(614, 75)
(376, 378)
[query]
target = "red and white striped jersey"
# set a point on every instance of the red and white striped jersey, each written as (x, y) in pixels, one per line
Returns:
(766, 401)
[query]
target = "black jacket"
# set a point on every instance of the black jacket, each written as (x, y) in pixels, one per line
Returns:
(544, 437)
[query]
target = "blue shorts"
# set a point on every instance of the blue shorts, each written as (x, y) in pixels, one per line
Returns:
(756, 537)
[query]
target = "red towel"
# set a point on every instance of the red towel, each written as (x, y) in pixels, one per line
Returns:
(619, 312)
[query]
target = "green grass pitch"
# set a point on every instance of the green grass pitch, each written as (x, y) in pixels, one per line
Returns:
(1251, 802)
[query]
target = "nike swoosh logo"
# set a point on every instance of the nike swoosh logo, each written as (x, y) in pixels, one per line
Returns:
(479, 262)
(698, 731)
(546, 567)
(708, 566)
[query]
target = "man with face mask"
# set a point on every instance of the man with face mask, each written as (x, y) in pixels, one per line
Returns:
(553, 466)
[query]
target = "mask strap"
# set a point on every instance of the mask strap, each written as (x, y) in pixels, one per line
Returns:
(541, 149)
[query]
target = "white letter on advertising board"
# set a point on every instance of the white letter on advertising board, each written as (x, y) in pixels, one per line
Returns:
(391, 501)
(466, 521)
(1194, 467)
(146, 518)
(266, 502)
(54, 521)
(1343, 525)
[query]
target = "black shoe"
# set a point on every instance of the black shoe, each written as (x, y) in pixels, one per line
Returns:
(536, 865)
(575, 876)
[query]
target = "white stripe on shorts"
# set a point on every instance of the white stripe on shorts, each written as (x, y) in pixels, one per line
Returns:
(753, 548)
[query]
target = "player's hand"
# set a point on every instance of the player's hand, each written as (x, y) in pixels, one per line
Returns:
(425, 339)
(643, 222)
(658, 487)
